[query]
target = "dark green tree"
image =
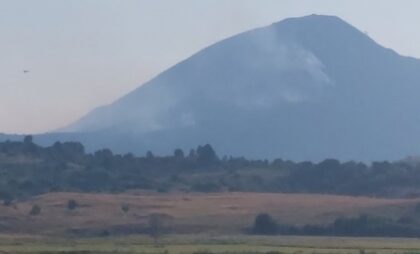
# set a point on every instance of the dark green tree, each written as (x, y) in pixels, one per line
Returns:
(28, 139)
(35, 210)
(150, 155)
(179, 154)
(206, 156)
(264, 224)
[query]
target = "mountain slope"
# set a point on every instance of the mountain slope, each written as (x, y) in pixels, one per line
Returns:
(303, 88)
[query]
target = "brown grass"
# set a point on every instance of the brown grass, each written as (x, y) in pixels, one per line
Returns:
(219, 212)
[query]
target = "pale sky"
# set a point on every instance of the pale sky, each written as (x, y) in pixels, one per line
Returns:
(85, 53)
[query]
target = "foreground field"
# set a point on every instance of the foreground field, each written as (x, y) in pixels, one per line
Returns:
(187, 244)
(185, 213)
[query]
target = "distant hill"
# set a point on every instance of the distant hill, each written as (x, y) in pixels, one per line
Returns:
(304, 88)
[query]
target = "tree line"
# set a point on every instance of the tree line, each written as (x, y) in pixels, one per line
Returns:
(28, 169)
(362, 225)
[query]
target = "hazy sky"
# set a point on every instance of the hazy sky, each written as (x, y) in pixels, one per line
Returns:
(85, 53)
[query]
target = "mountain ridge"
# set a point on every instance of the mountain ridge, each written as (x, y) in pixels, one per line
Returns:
(303, 88)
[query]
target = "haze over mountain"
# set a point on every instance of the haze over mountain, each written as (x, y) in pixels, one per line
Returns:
(304, 88)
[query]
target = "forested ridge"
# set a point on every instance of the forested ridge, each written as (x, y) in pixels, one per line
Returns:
(28, 169)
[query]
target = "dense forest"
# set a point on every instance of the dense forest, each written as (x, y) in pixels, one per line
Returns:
(28, 169)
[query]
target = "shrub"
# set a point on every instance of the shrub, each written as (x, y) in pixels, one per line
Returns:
(72, 204)
(36, 210)
(264, 224)
(125, 208)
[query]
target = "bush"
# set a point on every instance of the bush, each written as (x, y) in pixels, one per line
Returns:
(36, 210)
(125, 208)
(264, 224)
(72, 204)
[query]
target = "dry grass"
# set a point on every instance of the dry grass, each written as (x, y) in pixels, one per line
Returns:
(205, 244)
(219, 212)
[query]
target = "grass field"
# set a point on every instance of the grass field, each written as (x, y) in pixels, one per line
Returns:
(187, 244)
(189, 216)
(186, 213)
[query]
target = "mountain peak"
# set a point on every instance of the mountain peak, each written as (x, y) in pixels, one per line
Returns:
(322, 24)
(303, 88)
(314, 18)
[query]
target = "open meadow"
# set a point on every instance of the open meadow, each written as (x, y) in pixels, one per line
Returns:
(185, 213)
(204, 244)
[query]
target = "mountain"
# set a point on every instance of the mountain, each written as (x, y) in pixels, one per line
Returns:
(304, 88)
